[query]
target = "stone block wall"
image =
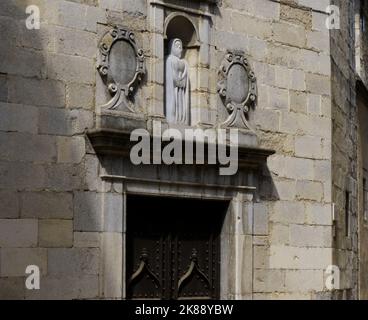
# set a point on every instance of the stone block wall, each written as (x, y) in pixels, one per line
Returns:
(47, 80)
(289, 49)
(50, 193)
(344, 151)
(361, 43)
(361, 54)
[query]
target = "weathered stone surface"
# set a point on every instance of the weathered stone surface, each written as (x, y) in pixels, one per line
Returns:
(9, 204)
(266, 10)
(87, 239)
(36, 92)
(304, 280)
(14, 261)
(286, 189)
(18, 233)
(269, 280)
(306, 111)
(296, 15)
(123, 62)
(297, 80)
(75, 42)
(47, 205)
(256, 27)
(287, 257)
(267, 119)
(288, 212)
(19, 118)
(53, 121)
(260, 257)
(91, 216)
(18, 175)
(73, 262)
(112, 251)
(309, 190)
(282, 296)
(289, 34)
(82, 16)
(260, 219)
(298, 102)
(64, 122)
(292, 168)
(278, 99)
(289, 122)
(3, 88)
(16, 62)
(70, 150)
(310, 236)
(282, 77)
(66, 288)
(318, 5)
(94, 16)
(63, 177)
(92, 179)
(318, 41)
(71, 68)
(318, 214)
(80, 96)
(12, 288)
(284, 55)
(88, 215)
(280, 234)
(55, 233)
(258, 48)
(318, 84)
(308, 147)
(314, 105)
(26, 147)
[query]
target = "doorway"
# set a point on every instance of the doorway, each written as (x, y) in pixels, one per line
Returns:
(173, 247)
(362, 103)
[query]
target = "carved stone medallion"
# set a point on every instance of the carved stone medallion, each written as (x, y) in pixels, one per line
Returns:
(121, 66)
(237, 88)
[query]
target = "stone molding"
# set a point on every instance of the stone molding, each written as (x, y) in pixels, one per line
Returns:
(238, 90)
(113, 142)
(120, 90)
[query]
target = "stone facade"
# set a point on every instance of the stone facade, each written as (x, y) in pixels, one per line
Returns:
(61, 207)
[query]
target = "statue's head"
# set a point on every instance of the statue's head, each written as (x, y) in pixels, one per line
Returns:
(176, 47)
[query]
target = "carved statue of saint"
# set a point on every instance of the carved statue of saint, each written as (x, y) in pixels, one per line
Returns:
(177, 85)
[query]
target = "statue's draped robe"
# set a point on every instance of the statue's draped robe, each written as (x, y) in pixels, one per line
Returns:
(177, 96)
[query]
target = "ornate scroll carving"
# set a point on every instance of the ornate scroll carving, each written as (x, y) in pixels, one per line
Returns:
(121, 66)
(237, 88)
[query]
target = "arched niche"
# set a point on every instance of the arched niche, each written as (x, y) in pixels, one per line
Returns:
(182, 26)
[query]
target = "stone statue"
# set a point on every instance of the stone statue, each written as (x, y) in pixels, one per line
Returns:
(177, 86)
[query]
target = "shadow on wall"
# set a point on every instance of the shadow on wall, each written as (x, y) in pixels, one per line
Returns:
(48, 175)
(47, 84)
(268, 189)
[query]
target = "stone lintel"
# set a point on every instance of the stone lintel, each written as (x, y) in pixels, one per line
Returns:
(116, 142)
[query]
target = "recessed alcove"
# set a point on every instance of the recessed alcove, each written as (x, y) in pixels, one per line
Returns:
(182, 26)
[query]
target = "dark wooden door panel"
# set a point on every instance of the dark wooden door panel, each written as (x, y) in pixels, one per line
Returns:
(144, 270)
(173, 253)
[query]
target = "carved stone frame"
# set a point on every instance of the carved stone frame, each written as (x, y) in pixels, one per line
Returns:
(120, 91)
(238, 111)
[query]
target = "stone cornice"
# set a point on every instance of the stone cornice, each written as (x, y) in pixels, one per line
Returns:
(115, 142)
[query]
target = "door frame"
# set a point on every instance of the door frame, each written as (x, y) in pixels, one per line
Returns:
(236, 268)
